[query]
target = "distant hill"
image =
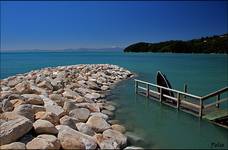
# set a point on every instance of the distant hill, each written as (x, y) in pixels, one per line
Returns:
(213, 44)
(114, 49)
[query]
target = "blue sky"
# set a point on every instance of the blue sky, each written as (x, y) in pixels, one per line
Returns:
(60, 25)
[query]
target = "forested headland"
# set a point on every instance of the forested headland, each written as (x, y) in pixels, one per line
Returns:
(213, 44)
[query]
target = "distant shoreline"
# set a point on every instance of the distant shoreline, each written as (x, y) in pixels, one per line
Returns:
(125, 53)
(213, 44)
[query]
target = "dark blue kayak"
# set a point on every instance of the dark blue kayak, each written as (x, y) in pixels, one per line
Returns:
(163, 81)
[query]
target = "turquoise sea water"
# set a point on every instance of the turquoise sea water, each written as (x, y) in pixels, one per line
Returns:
(160, 126)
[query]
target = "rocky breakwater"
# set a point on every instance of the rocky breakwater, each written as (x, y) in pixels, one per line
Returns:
(61, 108)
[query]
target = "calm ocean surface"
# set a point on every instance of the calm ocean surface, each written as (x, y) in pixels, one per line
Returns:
(160, 126)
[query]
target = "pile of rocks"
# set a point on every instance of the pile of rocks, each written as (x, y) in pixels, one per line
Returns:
(61, 108)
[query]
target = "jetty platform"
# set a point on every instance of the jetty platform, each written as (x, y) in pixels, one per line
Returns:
(205, 107)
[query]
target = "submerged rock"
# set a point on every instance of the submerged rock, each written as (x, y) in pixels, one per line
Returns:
(117, 136)
(133, 138)
(107, 112)
(119, 128)
(113, 122)
(133, 147)
(109, 107)
(105, 142)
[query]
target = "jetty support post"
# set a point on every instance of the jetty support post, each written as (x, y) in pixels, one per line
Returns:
(185, 88)
(201, 108)
(148, 90)
(161, 95)
(178, 101)
(136, 87)
(217, 99)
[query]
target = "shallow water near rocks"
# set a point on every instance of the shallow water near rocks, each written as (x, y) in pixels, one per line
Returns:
(160, 126)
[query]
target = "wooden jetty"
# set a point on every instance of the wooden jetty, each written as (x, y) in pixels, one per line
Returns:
(200, 106)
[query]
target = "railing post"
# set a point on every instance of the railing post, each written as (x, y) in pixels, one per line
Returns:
(185, 88)
(178, 101)
(201, 108)
(148, 91)
(217, 99)
(136, 87)
(161, 95)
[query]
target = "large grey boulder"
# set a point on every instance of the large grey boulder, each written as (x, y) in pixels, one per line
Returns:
(117, 136)
(104, 88)
(59, 111)
(38, 108)
(33, 99)
(68, 93)
(14, 82)
(7, 105)
(23, 88)
(14, 145)
(99, 114)
(69, 105)
(44, 141)
(44, 127)
(68, 121)
(49, 116)
(45, 84)
(93, 107)
(81, 114)
(93, 96)
(105, 142)
(57, 98)
(84, 128)
(25, 110)
(72, 139)
(98, 124)
(38, 90)
(92, 85)
(12, 130)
